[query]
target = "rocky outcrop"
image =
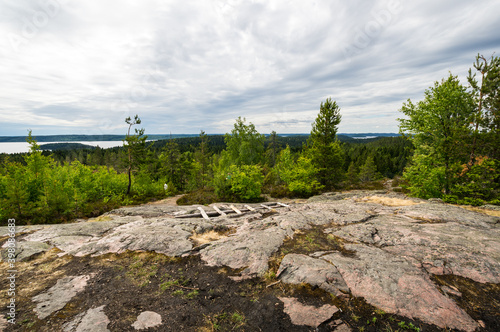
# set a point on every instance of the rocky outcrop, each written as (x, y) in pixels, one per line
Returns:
(26, 249)
(471, 251)
(390, 248)
(445, 213)
(162, 236)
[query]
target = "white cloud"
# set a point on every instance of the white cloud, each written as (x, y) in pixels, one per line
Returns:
(82, 66)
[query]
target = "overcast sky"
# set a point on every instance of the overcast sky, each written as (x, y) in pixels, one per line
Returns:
(82, 67)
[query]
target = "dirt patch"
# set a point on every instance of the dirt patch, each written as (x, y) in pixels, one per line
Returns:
(187, 294)
(171, 201)
(313, 240)
(33, 277)
(207, 237)
(388, 201)
(100, 218)
(34, 274)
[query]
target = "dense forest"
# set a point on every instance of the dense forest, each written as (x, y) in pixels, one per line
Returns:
(449, 149)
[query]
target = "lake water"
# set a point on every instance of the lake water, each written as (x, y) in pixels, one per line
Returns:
(17, 147)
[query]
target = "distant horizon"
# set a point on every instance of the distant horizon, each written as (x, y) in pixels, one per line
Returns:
(17, 138)
(156, 134)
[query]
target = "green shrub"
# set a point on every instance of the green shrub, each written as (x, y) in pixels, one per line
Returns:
(425, 179)
(246, 182)
(300, 176)
(478, 184)
(238, 183)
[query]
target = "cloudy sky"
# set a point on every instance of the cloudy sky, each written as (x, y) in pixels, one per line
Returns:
(82, 67)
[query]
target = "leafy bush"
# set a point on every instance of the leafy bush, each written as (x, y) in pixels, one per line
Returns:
(425, 179)
(238, 183)
(299, 176)
(480, 183)
(279, 191)
(246, 182)
(221, 181)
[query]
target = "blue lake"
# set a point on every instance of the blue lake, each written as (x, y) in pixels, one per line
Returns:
(17, 147)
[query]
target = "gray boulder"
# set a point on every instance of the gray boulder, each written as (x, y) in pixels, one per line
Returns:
(58, 295)
(142, 235)
(297, 269)
(146, 320)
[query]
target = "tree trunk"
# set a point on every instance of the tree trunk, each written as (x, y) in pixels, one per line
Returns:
(480, 106)
(129, 180)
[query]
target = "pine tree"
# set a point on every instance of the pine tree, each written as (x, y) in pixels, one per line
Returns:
(352, 173)
(135, 148)
(202, 157)
(272, 149)
(368, 171)
(487, 114)
(171, 165)
(324, 148)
